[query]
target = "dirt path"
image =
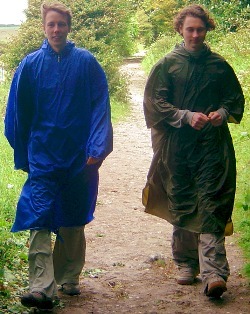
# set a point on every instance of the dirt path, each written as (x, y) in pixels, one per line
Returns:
(128, 264)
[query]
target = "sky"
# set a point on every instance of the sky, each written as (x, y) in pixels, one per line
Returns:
(12, 11)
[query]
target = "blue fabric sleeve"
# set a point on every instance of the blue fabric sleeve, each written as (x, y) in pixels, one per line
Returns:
(100, 142)
(19, 116)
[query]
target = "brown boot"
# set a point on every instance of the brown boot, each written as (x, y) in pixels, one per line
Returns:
(71, 289)
(215, 289)
(38, 300)
(187, 275)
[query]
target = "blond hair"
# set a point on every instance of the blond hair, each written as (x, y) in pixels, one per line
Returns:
(57, 7)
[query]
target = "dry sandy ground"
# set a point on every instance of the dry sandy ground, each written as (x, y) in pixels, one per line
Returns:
(128, 265)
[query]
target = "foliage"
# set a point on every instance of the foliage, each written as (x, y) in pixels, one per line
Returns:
(158, 49)
(155, 17)
(13, 250)
(103, 27)
(105, 22)
(142, 27)
(230, 15)
(162, 13)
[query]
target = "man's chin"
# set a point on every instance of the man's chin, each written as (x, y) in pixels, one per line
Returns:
(196, 47)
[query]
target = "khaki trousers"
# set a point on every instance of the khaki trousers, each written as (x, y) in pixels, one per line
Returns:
(205, 251)
(49, 267)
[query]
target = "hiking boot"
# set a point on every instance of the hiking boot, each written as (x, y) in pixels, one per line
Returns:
(215, 289)
(187, 275)
(38, 300)
(71, 289)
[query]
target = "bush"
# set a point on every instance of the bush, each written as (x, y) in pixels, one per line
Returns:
(99, 26)
(230, 15)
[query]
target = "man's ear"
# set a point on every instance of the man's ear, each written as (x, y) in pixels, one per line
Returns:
(180, 30)
(43, 28)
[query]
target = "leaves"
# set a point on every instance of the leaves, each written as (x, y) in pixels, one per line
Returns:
(99, 26)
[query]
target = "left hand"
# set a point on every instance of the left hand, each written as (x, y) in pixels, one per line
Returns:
(215, 118)
(92, 161)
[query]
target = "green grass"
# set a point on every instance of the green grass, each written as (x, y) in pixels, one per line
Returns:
(13, 250)
(235, 47)
(119, 110)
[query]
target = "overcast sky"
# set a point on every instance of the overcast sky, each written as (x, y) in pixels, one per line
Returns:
(11, 11)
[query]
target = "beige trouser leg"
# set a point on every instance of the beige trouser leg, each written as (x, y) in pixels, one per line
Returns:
(41, 272)
(69, 255)
(213, 261)
(185, 248)
(64, 264)
(210, 247)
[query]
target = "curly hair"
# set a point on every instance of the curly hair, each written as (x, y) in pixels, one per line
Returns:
(59, 8)
(194, 10)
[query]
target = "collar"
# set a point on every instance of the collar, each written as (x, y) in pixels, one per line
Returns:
(66, 50)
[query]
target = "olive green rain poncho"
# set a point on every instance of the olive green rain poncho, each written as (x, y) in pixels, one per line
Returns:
(192, 177)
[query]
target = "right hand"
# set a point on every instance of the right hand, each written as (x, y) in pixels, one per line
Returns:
(199, 120)
(92, 161)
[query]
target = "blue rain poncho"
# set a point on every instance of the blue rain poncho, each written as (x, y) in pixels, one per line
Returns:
(57, 116)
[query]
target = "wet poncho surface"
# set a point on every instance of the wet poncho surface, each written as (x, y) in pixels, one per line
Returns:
(192, 177)
(58, 114)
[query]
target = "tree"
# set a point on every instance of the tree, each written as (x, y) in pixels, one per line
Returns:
(100, 26)
(230, 15)
(155, 17)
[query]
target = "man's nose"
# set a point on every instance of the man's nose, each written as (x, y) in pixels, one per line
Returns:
(195, 33)
(56, 28)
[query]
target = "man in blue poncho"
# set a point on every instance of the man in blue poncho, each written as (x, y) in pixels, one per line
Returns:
(58, 123)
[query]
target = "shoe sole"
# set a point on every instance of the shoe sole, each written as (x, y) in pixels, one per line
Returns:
(185, 282)
(71, 293)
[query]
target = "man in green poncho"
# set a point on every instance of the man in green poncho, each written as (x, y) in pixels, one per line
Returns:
(190, 96)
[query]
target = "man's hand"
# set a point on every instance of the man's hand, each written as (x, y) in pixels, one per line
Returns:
(199, 120)
(215, 118)
(92, 161)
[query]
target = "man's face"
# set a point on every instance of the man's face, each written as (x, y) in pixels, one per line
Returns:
(56, 29)
(194, 32)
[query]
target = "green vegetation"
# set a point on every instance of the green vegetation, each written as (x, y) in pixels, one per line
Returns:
(112, 30)
(13, 250)
(103, 27)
